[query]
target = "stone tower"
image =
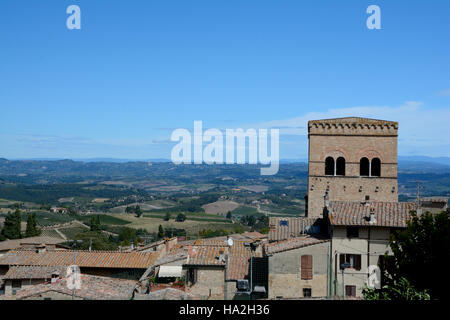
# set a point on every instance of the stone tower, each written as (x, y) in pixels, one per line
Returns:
(351, 159)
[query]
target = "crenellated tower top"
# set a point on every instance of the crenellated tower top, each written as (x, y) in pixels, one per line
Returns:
(353, 126)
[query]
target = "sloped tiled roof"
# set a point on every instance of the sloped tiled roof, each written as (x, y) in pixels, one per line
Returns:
(286, 228)
(293, 243)
(355, 213)
(92, 259)
(167, 294)
(33, 272)
(17, 243)
(207, 256)
(92, 288)
(212, 252)
(238, 268)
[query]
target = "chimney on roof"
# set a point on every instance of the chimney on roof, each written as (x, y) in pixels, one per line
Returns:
(41, 248)
(221, 256)
(372, 216)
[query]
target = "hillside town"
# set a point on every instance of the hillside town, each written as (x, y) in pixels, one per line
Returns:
(352, 209)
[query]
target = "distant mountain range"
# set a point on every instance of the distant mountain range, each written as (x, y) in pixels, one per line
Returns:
(401, 159)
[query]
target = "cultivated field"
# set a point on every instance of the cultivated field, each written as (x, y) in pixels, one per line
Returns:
(152, 224)
(220, 207)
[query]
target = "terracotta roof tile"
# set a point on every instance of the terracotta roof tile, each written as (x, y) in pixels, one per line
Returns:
(212, 252)
(17, 243)
(387, 214)
(93, 259)
(92, 288)
(293, 243)
(285, 228)
(33, 272)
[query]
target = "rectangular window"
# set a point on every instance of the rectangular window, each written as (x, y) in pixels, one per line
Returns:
(192, 275)
(354, 260)
(16, 285)
(307, 267)
(350, 291)
(284, 223)
(307, 292)
(352, 232)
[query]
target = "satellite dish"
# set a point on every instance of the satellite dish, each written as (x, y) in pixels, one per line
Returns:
(230, 242)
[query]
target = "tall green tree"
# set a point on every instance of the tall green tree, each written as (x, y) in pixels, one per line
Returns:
(11, 226)
(95, 223)
(396, 290)
(32, 228)
(180, 217)
(138, 211)
(160, 232)
(419, 256)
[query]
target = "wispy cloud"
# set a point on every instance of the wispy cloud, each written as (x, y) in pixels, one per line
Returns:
(422, 130)
(444, 93)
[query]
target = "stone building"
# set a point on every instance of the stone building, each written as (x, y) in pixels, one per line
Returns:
(114, 264)
(433, 205)
(360, 234)
(213, 268)
(298, 268)
(92, 288)
(351, 159)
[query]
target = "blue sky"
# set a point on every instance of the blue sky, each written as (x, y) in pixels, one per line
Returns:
(139, 69)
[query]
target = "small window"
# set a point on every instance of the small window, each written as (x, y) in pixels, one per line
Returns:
(354, 260)
(340, 166)
(16, 285)
(364, 167)
(352, 232)
(192, 276)
(329, 166)
(376, 167)
(284, 223)
(307, 292)
(367, 198)
(350, 291)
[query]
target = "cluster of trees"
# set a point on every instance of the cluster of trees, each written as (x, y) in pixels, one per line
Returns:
(170, 232)
(179, 218)
(12, 226)
(95, 223)
(131, 236)
(50, 193)
(96, 239)
(417, 269)
(255, 221)
(134, 209)
(191, 205)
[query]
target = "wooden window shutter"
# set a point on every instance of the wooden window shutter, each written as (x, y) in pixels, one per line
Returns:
(350, 291)
(307, 267)
(357, 261)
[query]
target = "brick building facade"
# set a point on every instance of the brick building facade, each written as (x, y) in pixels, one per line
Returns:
(351, 159)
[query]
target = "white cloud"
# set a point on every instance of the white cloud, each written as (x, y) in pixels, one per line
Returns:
(422, 130)
(444, 93)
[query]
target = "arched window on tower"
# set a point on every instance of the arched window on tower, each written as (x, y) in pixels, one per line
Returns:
(329, 166)
(340, 166)
(364, 169)
(375, 167)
